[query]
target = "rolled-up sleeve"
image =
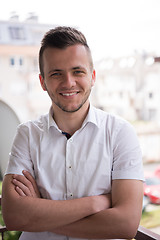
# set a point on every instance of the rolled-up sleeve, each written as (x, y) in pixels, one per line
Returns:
(19, 157)
(127, 156)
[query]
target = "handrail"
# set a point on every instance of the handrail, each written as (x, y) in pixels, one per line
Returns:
(142, 233)
(146, 234)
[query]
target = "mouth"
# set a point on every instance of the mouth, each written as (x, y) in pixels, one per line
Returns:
(69, 94)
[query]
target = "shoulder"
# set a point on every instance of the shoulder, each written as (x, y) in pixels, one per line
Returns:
(110, 120)
(40, 124)
(115, 127)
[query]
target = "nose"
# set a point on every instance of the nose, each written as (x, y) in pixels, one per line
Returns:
(69, 81)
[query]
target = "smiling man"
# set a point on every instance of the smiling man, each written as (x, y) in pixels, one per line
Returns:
(68, 77)
(75, 173)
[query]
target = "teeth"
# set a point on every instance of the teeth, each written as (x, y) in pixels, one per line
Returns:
(68, 94)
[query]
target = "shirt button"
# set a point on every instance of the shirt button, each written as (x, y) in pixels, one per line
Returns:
(70, 167)
(71, 195)
(71, 140)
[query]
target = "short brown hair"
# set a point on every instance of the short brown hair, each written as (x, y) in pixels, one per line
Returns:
(62, 37)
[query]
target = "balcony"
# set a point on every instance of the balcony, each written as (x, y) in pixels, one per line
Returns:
(142, 233)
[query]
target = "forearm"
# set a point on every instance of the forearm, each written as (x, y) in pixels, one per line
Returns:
(110, 223)
(44, 215)
(119, 221)
(28, 214)
(90, 217)
(36, 214)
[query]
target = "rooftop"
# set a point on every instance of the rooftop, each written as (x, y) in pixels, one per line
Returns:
(28, 32)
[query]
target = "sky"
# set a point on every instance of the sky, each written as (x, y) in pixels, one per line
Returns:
(113, 28)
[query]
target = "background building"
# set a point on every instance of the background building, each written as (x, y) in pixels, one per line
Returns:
(128, 85)
(19, 83)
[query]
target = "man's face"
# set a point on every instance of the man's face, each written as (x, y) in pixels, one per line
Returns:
(68, 77)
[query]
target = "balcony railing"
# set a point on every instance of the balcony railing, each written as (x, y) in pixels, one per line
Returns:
(142, 233)
(146, 234)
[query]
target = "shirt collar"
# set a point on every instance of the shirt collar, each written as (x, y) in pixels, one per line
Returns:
(51, 121)
(91, 117)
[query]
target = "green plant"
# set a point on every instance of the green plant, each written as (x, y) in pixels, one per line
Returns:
(0, 187)
(12, 235)
(150, 219)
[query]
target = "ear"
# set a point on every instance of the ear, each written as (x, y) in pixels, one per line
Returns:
(93, 78)
(42, 82)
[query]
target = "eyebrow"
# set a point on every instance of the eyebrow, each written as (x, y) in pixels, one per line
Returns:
(55, 70)
(60, 70)
(78, 67)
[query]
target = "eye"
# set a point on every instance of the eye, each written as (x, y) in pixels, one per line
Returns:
(78, 72)
(55, 74)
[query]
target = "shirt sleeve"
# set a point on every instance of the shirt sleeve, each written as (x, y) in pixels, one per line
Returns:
(127, 156)
(20, 158)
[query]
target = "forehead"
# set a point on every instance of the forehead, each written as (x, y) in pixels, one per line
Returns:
(69, 57)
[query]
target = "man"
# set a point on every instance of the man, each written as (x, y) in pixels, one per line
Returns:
(75, 173)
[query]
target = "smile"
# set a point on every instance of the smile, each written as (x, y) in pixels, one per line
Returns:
(68, 94)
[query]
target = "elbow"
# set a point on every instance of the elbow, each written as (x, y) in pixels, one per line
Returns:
(126, 227)
(129, 223)
(10, 226)
(14, 226)
(131, 234)
(14, 219)
(130, 229)
(14, 223)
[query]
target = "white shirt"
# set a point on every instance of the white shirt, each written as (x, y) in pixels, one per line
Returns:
(103, 149)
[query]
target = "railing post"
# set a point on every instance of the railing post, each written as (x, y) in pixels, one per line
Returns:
(2, 235)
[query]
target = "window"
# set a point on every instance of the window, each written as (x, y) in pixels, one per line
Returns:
(17, 33)
(12, 61)
(150, 95)
(20, 61)
(152, 114)
(16, 61)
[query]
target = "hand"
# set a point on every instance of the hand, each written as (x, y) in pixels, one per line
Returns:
(102, 202)
(26, 185)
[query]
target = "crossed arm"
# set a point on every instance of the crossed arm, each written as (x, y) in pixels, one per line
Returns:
(88, 217)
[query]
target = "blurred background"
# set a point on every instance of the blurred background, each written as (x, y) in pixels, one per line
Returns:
(124, 37)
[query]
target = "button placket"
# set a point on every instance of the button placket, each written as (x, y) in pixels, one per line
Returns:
(69, 174)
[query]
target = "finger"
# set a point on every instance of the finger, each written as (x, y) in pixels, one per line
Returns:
(24, 181)
(29, 176)
(32, 180)
(28, 181)
(23, 184)
(23, 187)
(21, 179)
(20, 192)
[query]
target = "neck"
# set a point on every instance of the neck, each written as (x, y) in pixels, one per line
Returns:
(70, 122)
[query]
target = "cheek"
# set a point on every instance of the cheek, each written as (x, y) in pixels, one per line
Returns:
(86, 82)
(50, 85)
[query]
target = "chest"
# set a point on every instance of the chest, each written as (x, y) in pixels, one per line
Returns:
(80, 166)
